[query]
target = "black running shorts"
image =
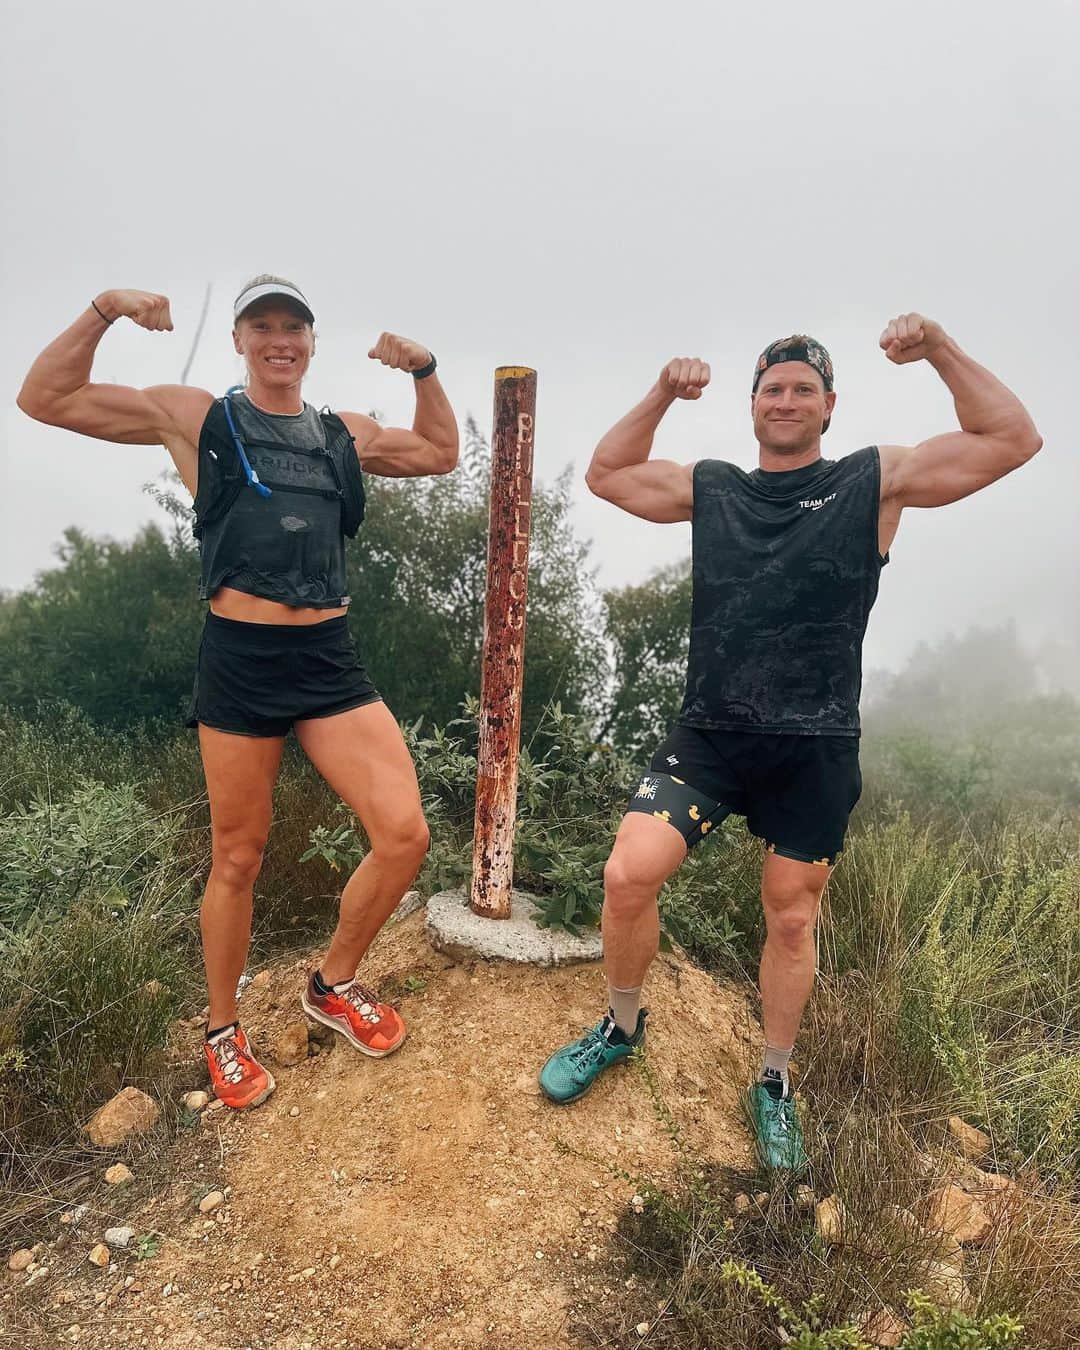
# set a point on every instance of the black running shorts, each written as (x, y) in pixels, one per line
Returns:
(257, 679)
(796, 792)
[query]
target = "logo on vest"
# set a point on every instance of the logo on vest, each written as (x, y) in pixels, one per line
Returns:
(816, 503)
(293, 524)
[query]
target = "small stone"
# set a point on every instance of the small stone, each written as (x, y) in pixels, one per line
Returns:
(335, 1261)
(21, 1259)
(831, 1219)
(642, 1328)
(211, 1201)
(98, 1255)
(761, 1199)
(742, 1204)
(294, 1111)
(1000, 1195)
(195, 1101)
(960, 1215)
(291, 1046)
(119, 1236)
(882, 1328)
(804, 1198)
(118, 1175)
(409, 903)
(945, 1284)
(259, 981)
(973, 1143)
(129, 1112)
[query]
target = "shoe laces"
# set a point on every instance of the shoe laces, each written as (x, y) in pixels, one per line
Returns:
(364, 1000)
(230, 1057)
(591, 1046)
(785, 1115)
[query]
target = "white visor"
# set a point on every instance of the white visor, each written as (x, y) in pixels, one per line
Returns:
(247, 298)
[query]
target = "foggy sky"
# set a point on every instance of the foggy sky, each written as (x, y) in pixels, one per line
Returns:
(589, 189)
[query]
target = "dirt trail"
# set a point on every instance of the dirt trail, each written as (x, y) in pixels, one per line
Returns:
(432, 1198)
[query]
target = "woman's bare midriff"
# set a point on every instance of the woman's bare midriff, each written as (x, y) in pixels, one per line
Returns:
(230, 604)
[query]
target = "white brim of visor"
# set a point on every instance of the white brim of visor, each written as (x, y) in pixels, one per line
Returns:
(249, 297)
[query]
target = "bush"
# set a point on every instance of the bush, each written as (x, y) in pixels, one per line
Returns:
(97, 946)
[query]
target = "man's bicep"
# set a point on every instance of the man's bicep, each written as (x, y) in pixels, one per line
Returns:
(940, 470)
(658, 490)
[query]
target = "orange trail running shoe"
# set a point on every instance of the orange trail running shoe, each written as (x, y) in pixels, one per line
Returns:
(238, 1079)
(374, 1028)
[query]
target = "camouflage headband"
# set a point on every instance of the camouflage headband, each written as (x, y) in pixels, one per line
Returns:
(798, 347)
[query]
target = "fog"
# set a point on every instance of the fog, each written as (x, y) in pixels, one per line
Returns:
(586, 189)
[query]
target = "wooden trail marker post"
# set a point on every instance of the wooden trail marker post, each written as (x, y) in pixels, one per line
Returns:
(509, 521)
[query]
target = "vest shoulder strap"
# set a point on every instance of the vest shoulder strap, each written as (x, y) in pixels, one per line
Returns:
(341, 447)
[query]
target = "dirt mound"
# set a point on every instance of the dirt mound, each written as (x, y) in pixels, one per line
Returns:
(429, 1199)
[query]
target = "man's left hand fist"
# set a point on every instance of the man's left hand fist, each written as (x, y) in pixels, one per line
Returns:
(911, 337)
(399, 353)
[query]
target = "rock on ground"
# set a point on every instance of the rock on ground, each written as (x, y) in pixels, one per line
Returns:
(291, 1047)
(960, 1215)
(831, 1219)
(973, 1144)
(118, 1174)
(882, 1328)
(129, 1112)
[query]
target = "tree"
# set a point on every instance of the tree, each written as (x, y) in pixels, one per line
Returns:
(114, 628)
(648, 629)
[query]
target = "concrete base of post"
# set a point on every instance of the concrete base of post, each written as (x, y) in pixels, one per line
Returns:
(454, 929)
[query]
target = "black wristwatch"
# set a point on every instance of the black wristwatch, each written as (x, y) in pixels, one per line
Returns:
(427, 370)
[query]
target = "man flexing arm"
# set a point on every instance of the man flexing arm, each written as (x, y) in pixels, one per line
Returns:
(621, 470)
(996, 432)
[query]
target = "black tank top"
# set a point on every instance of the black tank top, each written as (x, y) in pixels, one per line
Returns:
(785, 571)
(288, 546)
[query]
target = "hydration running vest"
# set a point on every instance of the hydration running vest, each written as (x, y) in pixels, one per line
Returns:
(288, 546)
(785, 571)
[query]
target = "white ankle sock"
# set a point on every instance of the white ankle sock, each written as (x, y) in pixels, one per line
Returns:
(624, 1005)
(776, 1064)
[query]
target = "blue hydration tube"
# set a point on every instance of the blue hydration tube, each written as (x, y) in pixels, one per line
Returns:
(249, 473)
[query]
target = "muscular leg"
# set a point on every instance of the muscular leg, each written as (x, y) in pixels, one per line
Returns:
(362, 755)
(791, 895)
(240, 775)
(645, 854)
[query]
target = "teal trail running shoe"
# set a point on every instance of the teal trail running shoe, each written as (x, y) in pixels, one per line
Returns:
(776, 1126)
(571, 1071)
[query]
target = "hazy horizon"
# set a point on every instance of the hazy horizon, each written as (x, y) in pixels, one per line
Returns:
(589, 195)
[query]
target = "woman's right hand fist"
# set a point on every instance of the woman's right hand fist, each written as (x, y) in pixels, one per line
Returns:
(141, 307)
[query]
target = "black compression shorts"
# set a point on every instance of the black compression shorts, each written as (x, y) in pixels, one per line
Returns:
(257, 679)
(796, 792)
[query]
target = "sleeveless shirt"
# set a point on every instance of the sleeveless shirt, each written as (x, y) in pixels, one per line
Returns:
(785, 571)
(289, 546)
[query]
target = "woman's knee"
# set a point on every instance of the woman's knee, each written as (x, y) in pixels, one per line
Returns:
(405, 842)
(237, 859)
